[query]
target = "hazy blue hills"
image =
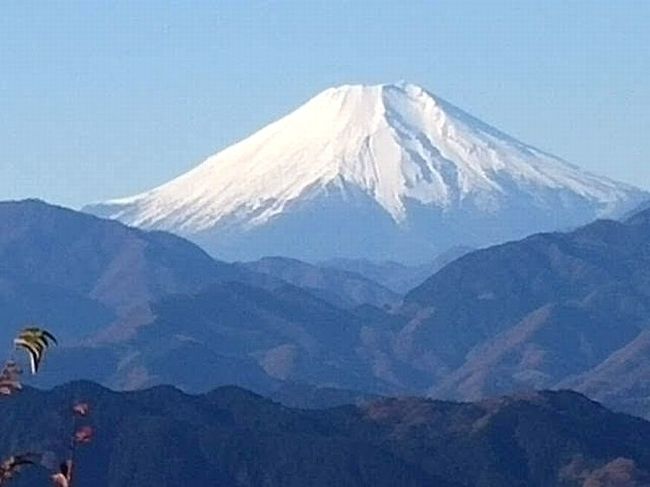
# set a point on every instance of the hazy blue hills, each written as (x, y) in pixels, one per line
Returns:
(81, 274)
(134, 309)
(545, 311)
(285, 334)
(397, 276)
(162, 437)
(340, 286)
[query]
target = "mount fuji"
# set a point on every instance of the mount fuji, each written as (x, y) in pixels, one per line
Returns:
(379, 172)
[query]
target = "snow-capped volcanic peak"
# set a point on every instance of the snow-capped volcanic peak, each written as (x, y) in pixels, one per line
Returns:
(397, 144)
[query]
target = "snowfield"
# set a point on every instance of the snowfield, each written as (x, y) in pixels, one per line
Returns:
(385, 172)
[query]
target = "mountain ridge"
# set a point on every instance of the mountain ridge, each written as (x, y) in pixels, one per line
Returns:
(52, 255)
(231, 436)
(552, 310)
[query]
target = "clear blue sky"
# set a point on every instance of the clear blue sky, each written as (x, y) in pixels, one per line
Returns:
(101, 99)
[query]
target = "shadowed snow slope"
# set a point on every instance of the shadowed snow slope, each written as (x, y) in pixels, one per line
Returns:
(386, 171)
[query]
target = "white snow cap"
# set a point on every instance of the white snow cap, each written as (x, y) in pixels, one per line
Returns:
(396, 143)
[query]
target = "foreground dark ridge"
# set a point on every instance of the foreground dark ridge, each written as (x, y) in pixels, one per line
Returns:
(232, 437)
